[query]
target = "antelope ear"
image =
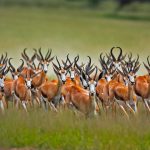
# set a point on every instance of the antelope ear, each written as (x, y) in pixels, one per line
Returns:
(100, 75)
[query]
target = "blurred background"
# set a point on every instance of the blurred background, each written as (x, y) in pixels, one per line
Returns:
(85, 27)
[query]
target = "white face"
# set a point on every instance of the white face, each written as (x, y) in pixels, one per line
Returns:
(92, 87)
(72, 75)
(28, 82)
(131, 78)
(2, 82)
(15, 77)
(45, 67)
(108, 77)
(63, 77)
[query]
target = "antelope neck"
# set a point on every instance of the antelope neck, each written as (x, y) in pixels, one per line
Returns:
(59, 86)
(93, 101)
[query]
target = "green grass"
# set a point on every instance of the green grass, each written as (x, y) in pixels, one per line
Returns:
(47, 130)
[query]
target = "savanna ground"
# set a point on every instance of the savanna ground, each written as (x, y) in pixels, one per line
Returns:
(74, 31)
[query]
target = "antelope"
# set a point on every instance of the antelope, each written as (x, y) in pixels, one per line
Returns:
(3, 72)
(44, 62)
(102, 85)
(75, 79)
(50, 91)
(10, 84)
(142, 86)
(29, 62)
(124, 93)
(85, 100)
(115, 63)
(22, 87)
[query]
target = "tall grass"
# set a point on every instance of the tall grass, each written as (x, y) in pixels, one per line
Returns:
(47, 130)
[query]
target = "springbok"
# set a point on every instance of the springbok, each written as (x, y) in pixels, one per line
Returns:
(102, 85)
(142, 86)
(22, 88)
(85, 100)
(124, 93)
(29, 62)
(50, 91)
(3, 71)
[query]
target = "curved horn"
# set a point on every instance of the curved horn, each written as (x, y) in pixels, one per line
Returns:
(25, 54)
(76, 60)
(78, 67)
(55, 66)
(95, 73)
(47, 54)
(130, 56)
(1, 59)
(12, 67)
(146, 66)
(68, 59)
(148, 61)
(3, 68)
(19, 69)
(58, 62)
(136, 62)
(6, 71)
(41, 54)
(88, 65)
(120, 54)
(111, 52)
(33, 57)
(5, 58)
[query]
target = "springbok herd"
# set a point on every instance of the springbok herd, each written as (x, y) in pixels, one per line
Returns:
(84, 87)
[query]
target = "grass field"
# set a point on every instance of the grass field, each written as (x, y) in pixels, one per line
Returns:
(74, 31)
(46, 130)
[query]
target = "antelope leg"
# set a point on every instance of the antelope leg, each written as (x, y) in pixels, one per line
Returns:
(53, 106)
(44, 102)
(146, 104)
(124, 111)
(24, 105)
(2, 105)
(131, 109)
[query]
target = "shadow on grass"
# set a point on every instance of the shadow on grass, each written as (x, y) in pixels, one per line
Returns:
(126, 17)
